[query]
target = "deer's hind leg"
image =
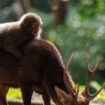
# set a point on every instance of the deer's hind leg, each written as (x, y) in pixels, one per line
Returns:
(3, 92)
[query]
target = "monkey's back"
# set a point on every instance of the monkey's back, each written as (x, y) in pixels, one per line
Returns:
(11, 35)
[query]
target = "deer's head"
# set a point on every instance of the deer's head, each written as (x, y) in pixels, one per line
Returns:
(74, 97)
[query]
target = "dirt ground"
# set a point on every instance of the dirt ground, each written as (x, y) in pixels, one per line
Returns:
(37, 100)
(97, 102)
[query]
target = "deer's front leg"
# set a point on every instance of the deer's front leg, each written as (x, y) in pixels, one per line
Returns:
(46, 99)
(26, 93)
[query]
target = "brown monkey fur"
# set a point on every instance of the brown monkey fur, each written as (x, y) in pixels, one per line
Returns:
(13, 34)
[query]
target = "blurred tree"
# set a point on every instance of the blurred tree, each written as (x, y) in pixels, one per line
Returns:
(4, 3)
(26, 5)
(43, 5)
(19, 7)
(59, 8)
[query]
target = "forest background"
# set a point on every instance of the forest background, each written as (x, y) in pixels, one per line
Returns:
(74, 26)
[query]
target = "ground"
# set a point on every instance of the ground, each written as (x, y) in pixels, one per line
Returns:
(37, 100)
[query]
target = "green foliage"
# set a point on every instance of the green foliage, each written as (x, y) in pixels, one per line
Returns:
(77, 36)
(89, 7)
(6, 15)
(84, 31)
(95, 87)
(43, 5)
(12, 91)
(5, 3)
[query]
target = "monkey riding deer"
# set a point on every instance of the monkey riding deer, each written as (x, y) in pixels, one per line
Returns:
(42, 69)
(13, 34)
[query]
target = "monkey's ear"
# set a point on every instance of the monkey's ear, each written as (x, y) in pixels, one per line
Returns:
(63, 97)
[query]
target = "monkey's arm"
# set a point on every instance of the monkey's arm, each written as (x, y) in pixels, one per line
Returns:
(10, 45)
(15, 52)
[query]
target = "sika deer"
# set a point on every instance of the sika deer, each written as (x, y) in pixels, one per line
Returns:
(74, 97)
(42, 69)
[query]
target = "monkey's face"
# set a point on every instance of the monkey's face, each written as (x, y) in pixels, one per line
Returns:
(31, 24)
(36, 27)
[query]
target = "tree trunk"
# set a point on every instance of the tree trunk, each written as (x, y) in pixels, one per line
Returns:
(26, 5)
(59, 8)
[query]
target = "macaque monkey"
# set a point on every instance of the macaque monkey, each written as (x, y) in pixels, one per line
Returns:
(14, 34)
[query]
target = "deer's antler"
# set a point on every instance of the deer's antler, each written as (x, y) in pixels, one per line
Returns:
(69, 61)
(90, 73)
(84, 97)
(68, 80)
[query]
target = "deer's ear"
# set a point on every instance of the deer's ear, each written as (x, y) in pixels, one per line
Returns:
(63, 96)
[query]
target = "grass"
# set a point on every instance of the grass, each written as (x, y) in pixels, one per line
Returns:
(16, 93)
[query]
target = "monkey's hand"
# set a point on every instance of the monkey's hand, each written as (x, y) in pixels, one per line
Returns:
(15, 52)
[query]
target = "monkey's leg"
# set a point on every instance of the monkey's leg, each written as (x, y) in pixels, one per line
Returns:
(15, 52)
(46, 99)
(3, 92)
(26, 94)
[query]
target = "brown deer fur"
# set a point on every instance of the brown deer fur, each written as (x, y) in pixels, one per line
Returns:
(42, 69)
